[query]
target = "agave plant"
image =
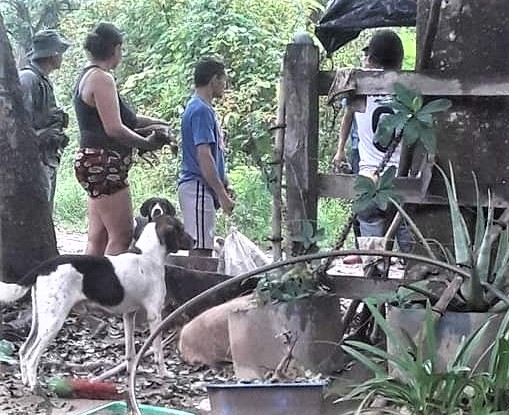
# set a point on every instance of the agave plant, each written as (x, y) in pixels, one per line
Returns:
(420, 388)
(485, 288)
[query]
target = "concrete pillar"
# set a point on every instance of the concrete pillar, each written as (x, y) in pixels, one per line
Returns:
(472, 39)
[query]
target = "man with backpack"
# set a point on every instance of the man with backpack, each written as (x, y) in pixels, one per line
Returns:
(46, 118)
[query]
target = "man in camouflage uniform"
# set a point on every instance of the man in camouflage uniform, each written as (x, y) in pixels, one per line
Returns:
(47, 119)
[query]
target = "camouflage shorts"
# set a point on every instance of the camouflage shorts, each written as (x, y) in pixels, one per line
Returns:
(102, 171)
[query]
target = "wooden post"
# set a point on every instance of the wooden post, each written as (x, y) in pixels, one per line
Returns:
(300, 73)
(277, 161)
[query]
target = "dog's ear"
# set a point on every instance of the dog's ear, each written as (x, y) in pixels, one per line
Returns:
(167, 232)
(168, 207)
(146, 207)
(172, 235)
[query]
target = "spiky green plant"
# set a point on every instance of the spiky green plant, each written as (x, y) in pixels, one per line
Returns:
(486, 258)
(420, 388)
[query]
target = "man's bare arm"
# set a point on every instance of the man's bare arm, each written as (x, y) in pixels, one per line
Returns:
(208, 171)
(344, 133)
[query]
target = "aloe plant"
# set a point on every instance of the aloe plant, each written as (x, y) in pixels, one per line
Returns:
(485, 288)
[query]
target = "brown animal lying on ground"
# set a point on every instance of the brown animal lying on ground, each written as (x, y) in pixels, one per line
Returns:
(211, 325)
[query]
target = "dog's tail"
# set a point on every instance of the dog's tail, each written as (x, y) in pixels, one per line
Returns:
(10, 292)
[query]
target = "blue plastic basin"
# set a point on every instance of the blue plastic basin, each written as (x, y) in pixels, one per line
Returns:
(120, 408)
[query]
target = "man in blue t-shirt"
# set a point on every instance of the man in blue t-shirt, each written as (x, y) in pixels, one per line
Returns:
(203, 186)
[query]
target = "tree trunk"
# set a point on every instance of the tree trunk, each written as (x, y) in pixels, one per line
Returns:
(27, 236)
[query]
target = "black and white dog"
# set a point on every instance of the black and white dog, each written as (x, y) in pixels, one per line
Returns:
(121, 284)
(150, 209)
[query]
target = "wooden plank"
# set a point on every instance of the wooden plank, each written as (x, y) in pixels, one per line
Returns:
(301, 140)
(341, 186)
(381, 82)
(358, 288)
(410, 190)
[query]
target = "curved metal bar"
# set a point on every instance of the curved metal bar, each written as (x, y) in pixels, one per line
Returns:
(240, 278)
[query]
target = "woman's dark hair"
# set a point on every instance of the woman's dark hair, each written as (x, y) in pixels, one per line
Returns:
(205, 70)
(101, 42)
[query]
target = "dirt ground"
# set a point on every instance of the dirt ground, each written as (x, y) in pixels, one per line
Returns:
(74, 353)
(85, 348)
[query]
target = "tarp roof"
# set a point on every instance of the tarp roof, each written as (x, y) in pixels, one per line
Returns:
(343, 20)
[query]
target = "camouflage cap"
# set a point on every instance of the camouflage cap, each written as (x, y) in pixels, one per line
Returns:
(48, 43)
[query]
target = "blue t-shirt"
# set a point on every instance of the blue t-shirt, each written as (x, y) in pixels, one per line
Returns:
(200, 125)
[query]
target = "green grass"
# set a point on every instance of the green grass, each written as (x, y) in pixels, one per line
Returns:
(252, 214)
(70, 199)
(332, 215)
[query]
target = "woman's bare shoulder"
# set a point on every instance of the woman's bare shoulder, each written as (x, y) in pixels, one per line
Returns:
(100, 79)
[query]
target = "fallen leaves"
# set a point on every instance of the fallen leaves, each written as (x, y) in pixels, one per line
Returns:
(75, 353)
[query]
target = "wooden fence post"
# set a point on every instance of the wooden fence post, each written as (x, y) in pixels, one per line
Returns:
(300, 73)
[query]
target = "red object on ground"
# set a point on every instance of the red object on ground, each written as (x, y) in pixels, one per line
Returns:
(88, 389)
(85, 388)
(352, 260)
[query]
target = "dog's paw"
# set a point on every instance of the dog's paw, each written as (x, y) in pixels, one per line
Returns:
(36, 388)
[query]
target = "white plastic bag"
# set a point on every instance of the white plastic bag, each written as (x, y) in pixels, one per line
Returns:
(240, 254)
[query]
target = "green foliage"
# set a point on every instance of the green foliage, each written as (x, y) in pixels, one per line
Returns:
(419, 387)
(70, 208)
(488, 272)
(297, 283)
(412, 117)
(252, 205)
(332, 214)
(308, 237)
(408, 38)
(23, 18)
(369, 192)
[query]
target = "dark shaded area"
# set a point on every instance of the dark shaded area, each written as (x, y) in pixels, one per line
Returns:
(343, 20)
(182, 284)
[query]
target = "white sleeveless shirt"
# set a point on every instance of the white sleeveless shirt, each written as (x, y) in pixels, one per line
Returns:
(371, 154)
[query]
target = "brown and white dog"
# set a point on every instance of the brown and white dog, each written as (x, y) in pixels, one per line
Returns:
(121, 284)
(150, 209)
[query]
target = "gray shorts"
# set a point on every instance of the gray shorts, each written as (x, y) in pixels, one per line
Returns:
(197, 207)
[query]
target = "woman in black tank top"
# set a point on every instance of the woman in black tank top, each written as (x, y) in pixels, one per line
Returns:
(108, 134)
